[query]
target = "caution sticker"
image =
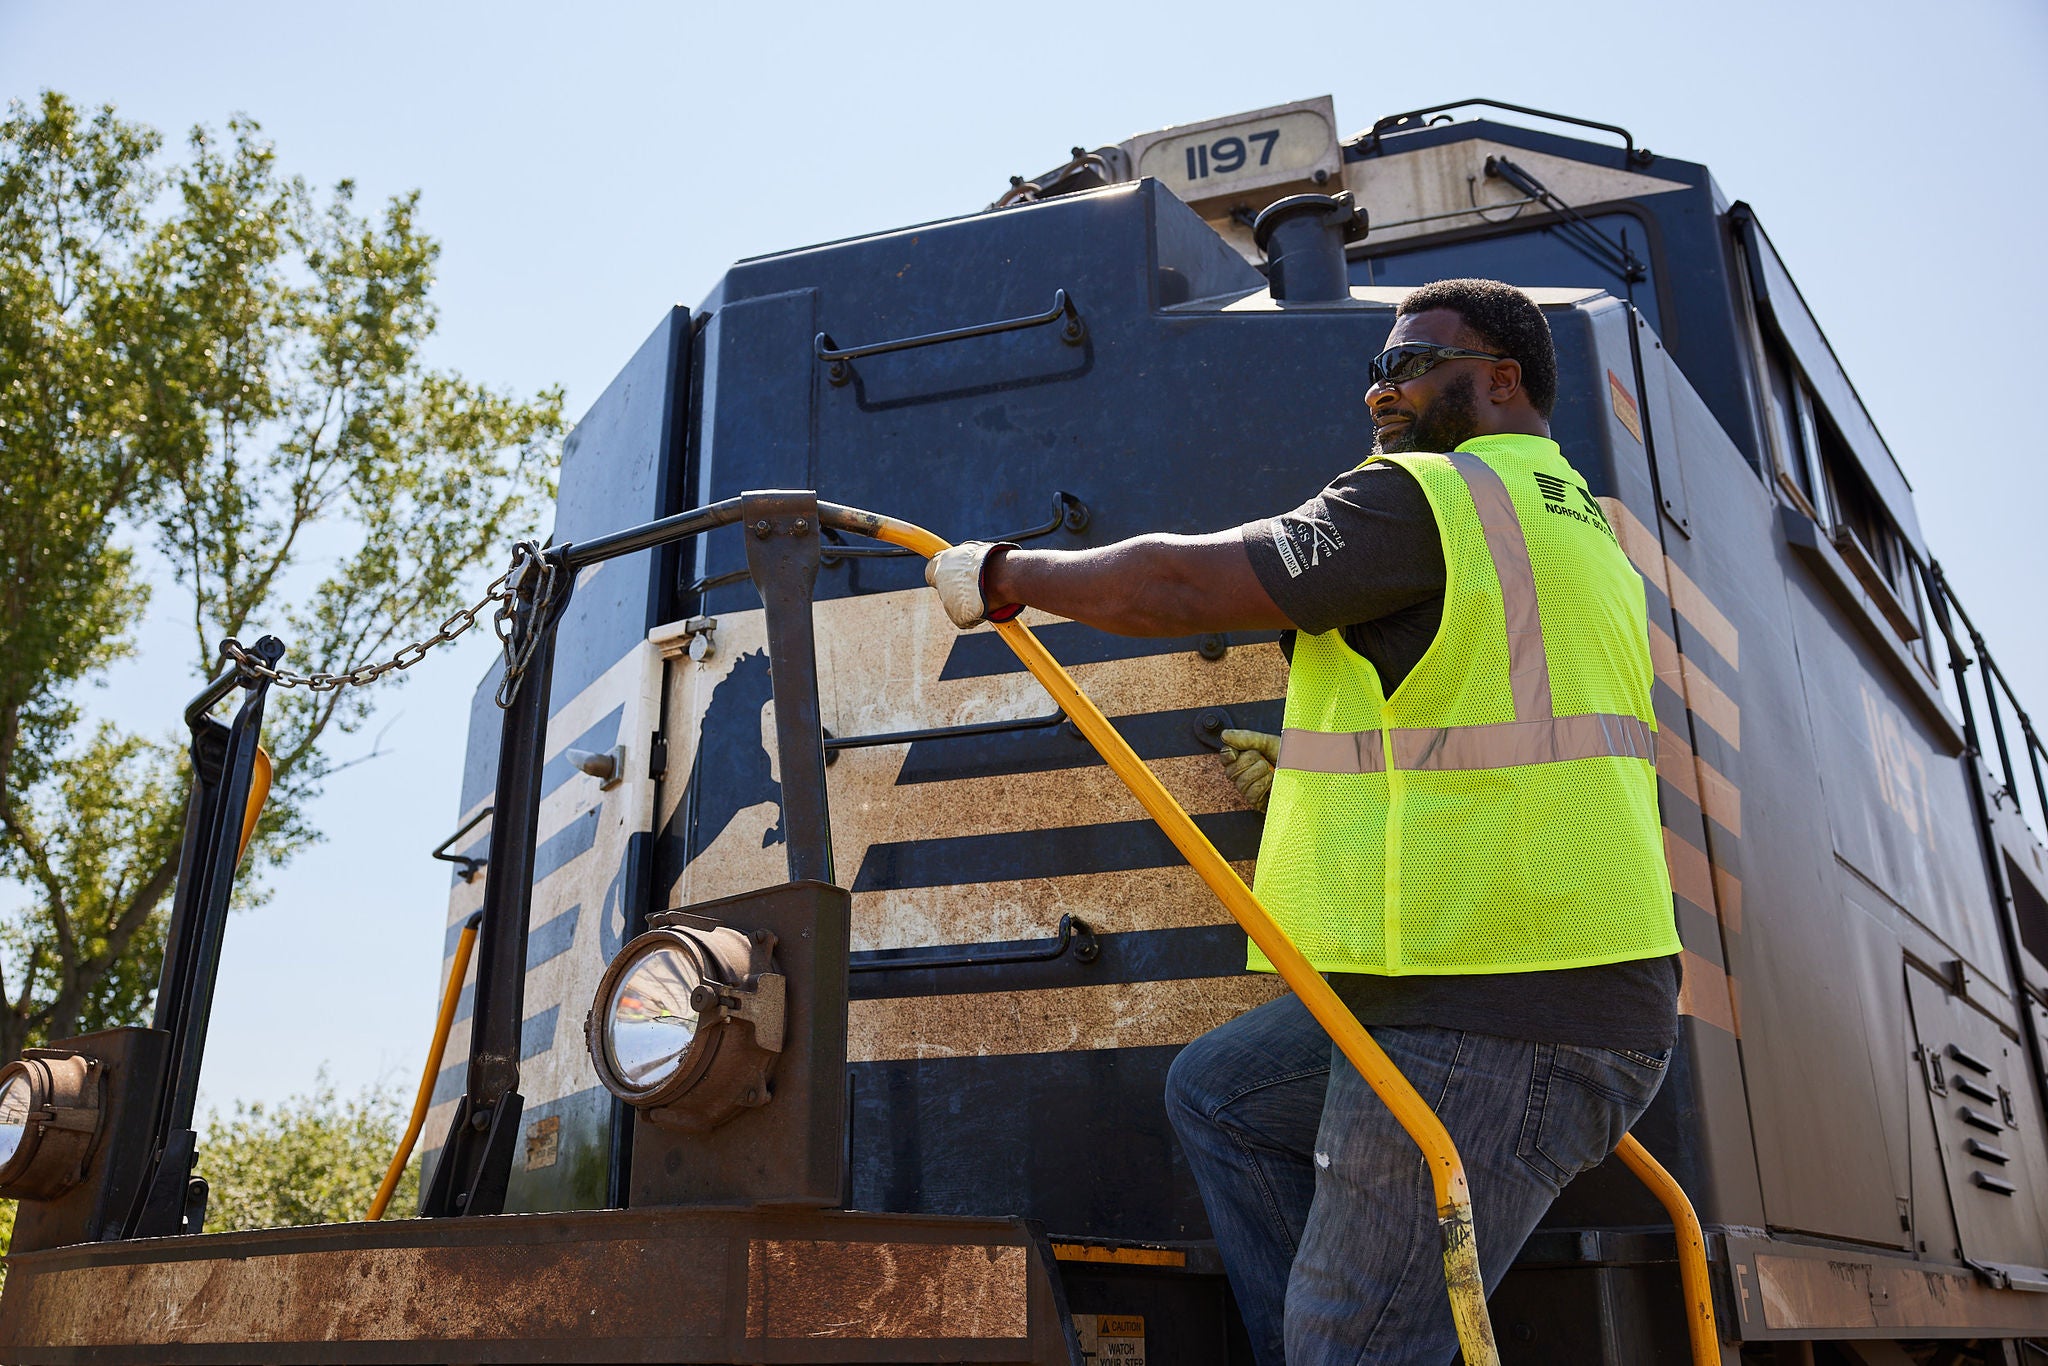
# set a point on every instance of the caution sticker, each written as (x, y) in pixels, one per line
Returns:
(1625, 406)
(1111, 1338)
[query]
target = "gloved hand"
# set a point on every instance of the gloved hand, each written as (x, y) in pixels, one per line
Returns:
(1248, 758)
(957, 575)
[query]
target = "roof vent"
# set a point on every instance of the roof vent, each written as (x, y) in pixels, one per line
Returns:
(1303, 239)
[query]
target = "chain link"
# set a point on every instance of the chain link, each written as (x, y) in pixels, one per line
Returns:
(526, 560)
(504, 590)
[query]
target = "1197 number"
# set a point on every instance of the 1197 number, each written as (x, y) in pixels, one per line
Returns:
(1225, 155)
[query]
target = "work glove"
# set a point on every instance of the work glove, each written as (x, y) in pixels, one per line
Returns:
(957, 575)
(1248, 758)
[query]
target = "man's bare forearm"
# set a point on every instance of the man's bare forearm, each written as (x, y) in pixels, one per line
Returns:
(1148, 586)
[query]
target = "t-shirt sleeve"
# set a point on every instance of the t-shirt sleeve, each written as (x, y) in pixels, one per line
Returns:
(1365, 547)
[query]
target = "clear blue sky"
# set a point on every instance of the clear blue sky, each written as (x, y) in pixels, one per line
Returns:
(586, 166)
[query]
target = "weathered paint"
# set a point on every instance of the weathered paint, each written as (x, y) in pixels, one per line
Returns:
(659, 1285)
(1113, 1015)
(832, 1289)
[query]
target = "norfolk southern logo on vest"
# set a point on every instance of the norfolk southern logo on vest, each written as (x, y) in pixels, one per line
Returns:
(1559, 497)
(1304, 541)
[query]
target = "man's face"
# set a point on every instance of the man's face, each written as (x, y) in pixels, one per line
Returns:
(1439, 409)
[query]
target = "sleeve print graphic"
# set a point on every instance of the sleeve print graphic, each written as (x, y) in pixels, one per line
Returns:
(1305, 537)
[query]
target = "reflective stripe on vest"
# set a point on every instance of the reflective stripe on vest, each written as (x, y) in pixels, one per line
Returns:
(1537, 735)
(1528, 665)
(1506, 744)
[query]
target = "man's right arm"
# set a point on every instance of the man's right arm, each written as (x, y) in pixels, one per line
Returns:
(1366, 546)
(1159, 585)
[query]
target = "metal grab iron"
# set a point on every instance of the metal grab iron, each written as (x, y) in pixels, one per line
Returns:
(839, 360)
(1068, 511)
(1073, 936)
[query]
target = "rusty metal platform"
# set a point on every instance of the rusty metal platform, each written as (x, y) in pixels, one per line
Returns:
(674, 1285)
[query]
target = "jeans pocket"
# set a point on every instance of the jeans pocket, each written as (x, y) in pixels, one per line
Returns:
(1591, 1097)
(1528, 1144)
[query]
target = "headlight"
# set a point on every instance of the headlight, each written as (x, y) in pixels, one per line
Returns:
(50, 1106)
(650, 1023)
(687, 1023)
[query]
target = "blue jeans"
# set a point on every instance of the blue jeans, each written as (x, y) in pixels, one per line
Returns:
(1321, 1205)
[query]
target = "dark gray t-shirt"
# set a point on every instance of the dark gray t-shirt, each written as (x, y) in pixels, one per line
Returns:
(1364, 557)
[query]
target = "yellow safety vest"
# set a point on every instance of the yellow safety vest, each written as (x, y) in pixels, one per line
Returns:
(1498, 813)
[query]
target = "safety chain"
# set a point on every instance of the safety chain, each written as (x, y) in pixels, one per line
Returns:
(527, 560)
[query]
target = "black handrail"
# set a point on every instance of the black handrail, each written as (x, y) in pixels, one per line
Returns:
(470, 866)
(1067, 511)
(835, 743)
(1074, 934)
(840, 359)
(1944, 595)
(648, 535)
(1369, 141)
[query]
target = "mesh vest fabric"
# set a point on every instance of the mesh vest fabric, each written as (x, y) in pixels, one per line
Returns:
(1447, 851)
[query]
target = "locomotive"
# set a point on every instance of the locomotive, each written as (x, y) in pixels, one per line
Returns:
(935, 987)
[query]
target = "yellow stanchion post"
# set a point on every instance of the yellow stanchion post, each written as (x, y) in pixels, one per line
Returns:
(464, 945)
(1692, 1249)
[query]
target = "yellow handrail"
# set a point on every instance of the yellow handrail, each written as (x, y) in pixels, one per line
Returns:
(1692, 1249)
(1447, 1173)
(464, 944)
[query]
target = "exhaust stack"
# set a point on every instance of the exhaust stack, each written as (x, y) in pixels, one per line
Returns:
(1303, 238)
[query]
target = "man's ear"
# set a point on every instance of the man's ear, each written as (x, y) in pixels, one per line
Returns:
(1506, 383)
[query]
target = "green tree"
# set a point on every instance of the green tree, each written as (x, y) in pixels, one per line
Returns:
(312, 1159)
(208, 360)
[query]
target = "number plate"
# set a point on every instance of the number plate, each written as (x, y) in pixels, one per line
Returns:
(1230, 158)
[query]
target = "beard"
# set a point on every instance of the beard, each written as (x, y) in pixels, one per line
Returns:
(1449, 421)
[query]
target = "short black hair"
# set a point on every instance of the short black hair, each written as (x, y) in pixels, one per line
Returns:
(1505, 321)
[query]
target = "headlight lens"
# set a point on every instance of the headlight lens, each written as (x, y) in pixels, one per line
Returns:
(687, 1022)
(14, 1108)
(649, 1021)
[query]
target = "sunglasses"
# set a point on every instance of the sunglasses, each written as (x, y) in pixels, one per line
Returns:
(1411, 360)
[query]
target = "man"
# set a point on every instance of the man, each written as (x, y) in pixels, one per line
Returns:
(1461, 832)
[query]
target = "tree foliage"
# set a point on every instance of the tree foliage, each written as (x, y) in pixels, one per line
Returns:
(312, 1159)
(205, 365)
